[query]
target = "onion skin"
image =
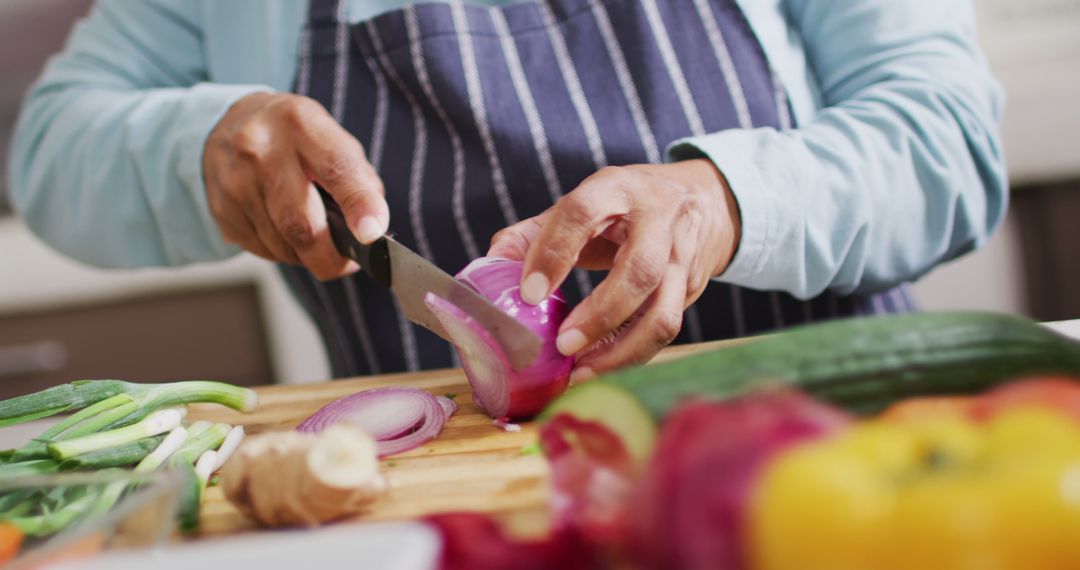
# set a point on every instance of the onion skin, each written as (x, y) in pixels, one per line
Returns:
(502, 392)
(690, 508)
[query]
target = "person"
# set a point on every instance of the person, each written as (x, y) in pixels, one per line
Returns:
(684, 169)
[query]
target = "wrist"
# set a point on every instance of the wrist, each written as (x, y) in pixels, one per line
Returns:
(724, 217)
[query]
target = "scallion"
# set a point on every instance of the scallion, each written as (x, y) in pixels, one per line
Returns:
(160, 421)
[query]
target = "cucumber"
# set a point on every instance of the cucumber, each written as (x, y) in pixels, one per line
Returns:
(861, 364)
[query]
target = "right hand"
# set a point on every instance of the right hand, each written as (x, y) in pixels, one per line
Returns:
(260, 162)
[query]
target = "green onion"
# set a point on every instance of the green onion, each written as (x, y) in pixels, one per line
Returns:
(85, 413)
(196, 445)
(190, 392)
(32, 467)
(116, 456)
(174, 441)
(192, 484)
(148, 397)
(53, 519)
(62, 398)
(160, 421)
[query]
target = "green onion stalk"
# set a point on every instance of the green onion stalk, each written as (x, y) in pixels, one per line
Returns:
(193, 483)
(156, 423)
(108, 404)
(117, 456)
(62, 507)
(179, 450)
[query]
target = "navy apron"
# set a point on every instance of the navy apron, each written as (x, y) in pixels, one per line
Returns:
(478, 117)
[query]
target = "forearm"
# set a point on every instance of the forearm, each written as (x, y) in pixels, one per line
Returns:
(113, 178)
(106, 157)
(901, 171)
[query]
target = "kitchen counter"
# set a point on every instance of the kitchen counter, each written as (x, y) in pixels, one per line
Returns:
(473, 465)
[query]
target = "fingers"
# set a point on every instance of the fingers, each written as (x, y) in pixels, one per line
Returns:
(639, 267)
(237, 229)
(258, 164)
(298, 217)
(335, 159)
(237, 207)
(577, 217)
(652, 329)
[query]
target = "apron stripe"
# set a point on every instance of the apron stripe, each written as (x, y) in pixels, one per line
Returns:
(378, 129)
(408, 339)
(878, 304)
(900, 300)
(334, 328)
(357, 312)
(408, 335)
(337, 105)
(303, 72)
(674, 69)
(573, 85)
(626, 81)
(341, 62)
(416, 176)
(476, 101)
(723, 57)
(536, 125)
(458, 191)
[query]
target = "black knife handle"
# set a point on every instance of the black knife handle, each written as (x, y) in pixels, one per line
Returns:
(374, 259)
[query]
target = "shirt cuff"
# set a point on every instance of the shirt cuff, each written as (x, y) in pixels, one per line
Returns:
(733, 153)
(206, 105)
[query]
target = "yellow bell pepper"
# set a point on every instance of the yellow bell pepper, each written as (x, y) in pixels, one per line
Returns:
(942, 493)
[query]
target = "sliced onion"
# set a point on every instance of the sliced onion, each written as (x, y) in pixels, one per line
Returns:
(399, 419)
(501, 391)
(449, 406)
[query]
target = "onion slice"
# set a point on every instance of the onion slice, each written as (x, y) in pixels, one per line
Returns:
(398, 419)
(504, 393)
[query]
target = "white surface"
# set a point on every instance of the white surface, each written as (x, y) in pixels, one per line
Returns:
(1034, 48)
(33, 276)
(409, 546)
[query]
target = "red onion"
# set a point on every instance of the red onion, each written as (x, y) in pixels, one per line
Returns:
(502, 392)
(689, 510)
(399, 419)
(592, 478)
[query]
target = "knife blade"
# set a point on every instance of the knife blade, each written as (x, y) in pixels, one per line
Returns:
(410, 277)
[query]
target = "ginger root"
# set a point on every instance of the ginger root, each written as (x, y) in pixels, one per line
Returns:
(284, 478)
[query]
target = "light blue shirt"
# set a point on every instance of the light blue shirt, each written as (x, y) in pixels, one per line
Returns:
(893, 166)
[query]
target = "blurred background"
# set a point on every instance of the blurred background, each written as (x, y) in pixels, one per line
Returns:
(60, 320)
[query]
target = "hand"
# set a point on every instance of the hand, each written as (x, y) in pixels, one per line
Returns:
(663, 230)
(259, 164)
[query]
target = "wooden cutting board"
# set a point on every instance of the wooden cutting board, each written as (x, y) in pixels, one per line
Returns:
(472, 465)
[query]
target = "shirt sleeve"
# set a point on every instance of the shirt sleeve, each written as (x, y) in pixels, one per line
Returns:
(901, 170)
(106, 164)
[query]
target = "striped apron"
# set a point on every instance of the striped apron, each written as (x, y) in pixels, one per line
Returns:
(478, 117)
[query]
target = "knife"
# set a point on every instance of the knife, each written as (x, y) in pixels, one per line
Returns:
(410, 277)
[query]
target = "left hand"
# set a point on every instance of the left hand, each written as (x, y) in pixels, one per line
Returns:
(663, 230)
